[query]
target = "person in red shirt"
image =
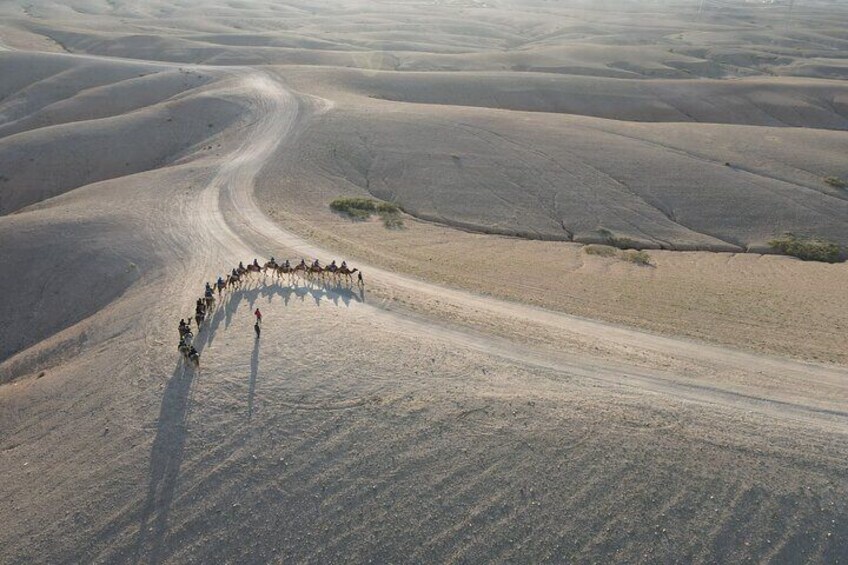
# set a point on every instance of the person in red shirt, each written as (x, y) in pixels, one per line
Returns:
(258, 315)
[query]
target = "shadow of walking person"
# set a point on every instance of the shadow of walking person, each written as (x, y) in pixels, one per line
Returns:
(254, 372)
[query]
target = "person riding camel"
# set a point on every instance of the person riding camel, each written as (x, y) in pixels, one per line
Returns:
(272, 260)
(256, 262)
(220, 280)
(302, 262)
(234, 273)
(287, 264)
(332, 267)
(241, 266)
(316, 264)
(344, 266)
(208, 293)
(208, 287)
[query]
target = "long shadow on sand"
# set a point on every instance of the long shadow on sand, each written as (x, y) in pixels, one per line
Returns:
(168, 448)
(254, 371)
(169, 445)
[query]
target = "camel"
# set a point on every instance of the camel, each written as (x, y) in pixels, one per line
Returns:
(300, 268)
(346, 272)
(313, 270)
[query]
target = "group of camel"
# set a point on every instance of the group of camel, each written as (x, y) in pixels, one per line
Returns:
(286, 269)
(239, 274)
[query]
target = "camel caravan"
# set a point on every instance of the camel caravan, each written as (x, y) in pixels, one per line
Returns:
(285, 270)
(309, 271)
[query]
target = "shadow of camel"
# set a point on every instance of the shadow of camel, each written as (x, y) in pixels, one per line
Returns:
(165, 460)
(319, 291)
(168, 447)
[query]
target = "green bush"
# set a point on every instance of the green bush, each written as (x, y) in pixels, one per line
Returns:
(605, 234)
(353, 206)
(624, 243)
(357, 214)
(387, 208)
(637, 257)
(392, 221)
(360, 209)
(621, 242)
(836, 181)
(600, 250)
(808, 249)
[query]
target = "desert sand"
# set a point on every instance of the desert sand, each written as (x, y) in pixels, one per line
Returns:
(494, 393)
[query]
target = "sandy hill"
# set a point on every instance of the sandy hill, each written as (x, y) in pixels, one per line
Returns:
(75, 123)
(482, 398)
(625, 39)
(764, 102)
(684, 183)
(567, 177)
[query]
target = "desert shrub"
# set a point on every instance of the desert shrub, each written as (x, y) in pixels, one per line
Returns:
(361, 209)
(836, 181)
(637, 257)
(390, 214)
(357, 214)
(600, 250)
(621, 242)
(624, 243)
(387, 208)
(808, 249)
(392, 221)
(353, 206)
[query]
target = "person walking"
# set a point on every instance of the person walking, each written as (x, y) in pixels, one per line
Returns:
(257, 329)
(258, 315)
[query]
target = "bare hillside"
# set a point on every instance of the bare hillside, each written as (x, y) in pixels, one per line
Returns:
(491, 389)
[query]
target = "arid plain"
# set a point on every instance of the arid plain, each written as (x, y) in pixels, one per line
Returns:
(497, 391)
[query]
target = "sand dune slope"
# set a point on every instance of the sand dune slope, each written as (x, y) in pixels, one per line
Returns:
(63, 111)
(354, 431)
(583, 179)
(763, 102)
(420, 418)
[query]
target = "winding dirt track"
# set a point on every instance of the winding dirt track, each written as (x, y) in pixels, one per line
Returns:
(238, 224)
